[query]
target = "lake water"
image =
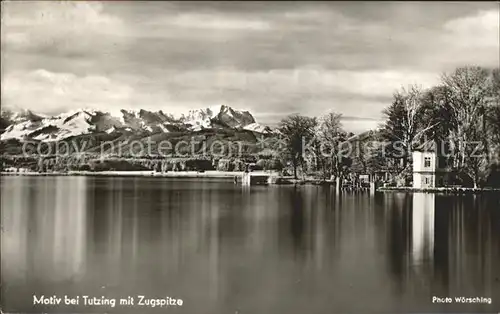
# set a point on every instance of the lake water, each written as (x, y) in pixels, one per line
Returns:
(224, 248)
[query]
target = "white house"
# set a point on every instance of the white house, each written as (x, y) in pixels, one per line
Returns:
(427, 172)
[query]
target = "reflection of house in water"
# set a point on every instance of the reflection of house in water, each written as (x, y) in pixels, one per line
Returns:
(423, 226)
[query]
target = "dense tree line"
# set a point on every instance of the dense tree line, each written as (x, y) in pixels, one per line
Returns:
(460, 118)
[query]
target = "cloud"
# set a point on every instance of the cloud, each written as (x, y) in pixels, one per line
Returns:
(484, 21)
(40, 14)
(473, 39)
(297, 91)
(268, 95)
(480, 31)
(270, 58)
(372, 83)
(206, 21)
(360, 125)
(307, 90)
(57, 27)
(49, 92)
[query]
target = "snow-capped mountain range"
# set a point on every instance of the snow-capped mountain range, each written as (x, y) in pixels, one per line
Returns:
(29, 125)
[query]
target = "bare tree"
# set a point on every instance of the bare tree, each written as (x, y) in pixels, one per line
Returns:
(404, 120)
(331, 135)
(470, 90)
(296, 130)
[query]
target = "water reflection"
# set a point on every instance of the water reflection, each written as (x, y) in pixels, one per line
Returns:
(227, 248)
(467, 238)
(44, 229)
(15, 231)
(423, 227)
(443, 245)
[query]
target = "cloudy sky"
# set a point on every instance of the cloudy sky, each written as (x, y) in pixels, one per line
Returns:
(271, 58)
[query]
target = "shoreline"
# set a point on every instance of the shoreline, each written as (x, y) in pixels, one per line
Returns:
(185, 174)
(440, 190)
(147, 173)
(230, 175)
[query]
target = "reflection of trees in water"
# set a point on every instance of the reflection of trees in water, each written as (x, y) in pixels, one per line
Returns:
(460, 253)
(309, 229)
(232, 223)
(467, 242)
(97, 196)
(164, 232)
(34, 215)
(291, 223)
(44, 244)
(444, 207)
(398, 222)
(297, 220)
(54, 209)
(333, 219)
(16, 243)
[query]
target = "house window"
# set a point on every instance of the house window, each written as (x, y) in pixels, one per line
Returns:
(427, 181)
(427, 162)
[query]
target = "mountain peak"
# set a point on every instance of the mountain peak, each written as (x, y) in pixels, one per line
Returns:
(225, 115)
(88, 120)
